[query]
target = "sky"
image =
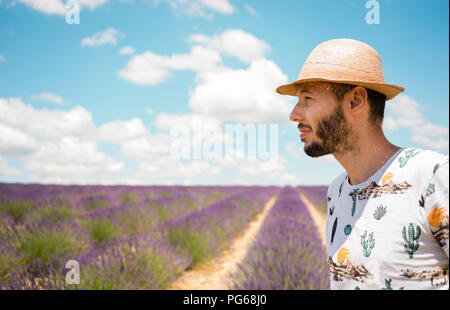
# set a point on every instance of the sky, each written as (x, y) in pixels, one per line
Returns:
(105, 99)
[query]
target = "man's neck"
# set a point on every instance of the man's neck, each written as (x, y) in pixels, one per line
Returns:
(368, 156)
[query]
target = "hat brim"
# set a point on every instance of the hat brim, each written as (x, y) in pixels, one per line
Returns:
(389, 90)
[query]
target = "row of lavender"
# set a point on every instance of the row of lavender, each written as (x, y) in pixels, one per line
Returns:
(122, 237)
(316, 194)
(287, 253)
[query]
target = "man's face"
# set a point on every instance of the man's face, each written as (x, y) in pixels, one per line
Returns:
(321, 116)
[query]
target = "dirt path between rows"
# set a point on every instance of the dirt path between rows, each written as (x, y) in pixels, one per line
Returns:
(213, 274)
(319, 218)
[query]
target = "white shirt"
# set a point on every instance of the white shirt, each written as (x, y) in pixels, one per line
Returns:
(393, 232)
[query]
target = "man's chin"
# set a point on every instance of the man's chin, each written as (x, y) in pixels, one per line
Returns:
(315, 150)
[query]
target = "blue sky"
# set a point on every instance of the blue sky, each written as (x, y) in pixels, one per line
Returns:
(76, 107)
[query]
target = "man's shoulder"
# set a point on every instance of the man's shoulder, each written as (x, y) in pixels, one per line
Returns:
(422, 160)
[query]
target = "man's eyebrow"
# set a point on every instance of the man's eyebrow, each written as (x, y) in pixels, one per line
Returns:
(304, 90)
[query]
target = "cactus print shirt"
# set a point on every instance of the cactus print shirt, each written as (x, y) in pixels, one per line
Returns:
(391, 231)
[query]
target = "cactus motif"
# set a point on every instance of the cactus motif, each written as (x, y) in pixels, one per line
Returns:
(412, 243)
(332, 210)
(379, 212)
(388, 287)
(353, 194)
(333, 230)
(367, 245)
(436, 167)
(430, 189)
(408, 155)
(422, 201)
(340, 188)
(348, 229)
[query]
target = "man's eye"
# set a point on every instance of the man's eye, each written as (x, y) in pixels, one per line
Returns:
(308, 98)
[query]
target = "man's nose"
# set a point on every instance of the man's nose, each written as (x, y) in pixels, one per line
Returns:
(296, 115)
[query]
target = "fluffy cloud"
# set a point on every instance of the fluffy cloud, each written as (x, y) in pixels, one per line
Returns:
(127, 50)
(243, 95)
(59, 6)
(14, 142)
(121, 131)
(151, 69)
(53, 145)
(201, 8)
(47, 96)
(250, 10)
(234, 42)
(58, 123)
(423, 132)
(108, 36)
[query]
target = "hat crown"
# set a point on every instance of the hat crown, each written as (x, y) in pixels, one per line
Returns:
(343, 59)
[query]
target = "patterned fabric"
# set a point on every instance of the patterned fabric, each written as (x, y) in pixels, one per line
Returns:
(391, 231)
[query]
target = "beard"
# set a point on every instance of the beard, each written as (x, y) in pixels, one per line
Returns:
(334, 133)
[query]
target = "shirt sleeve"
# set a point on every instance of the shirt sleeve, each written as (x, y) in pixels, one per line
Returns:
(436, 204)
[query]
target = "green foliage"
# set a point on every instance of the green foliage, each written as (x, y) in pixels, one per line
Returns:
(46, 244)
(129, 198)
(323, 208)
(6, 266)
(101, 230)
(189, 203)
(16, 208)
(190, 241)
(162, 212)
(94, 204)
(165, 193)
(55, 213)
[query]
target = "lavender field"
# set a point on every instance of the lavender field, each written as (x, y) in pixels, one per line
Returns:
(145, 237)
(287, 253)
(317, 195)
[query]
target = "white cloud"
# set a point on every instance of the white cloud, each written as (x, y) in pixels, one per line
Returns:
(150, 69)
(250, 10)
(121, 131)
(14, 142)
(47, 96)
(256, 171)
(423, 132)
(6, 170)
(108, 36)
(59, 6)
(127, 50)
(234, 42)
(46, 124)
(200, 8)
(243, 95)
(2, 58)
(54, 144)
(439, 144)
(71, 158)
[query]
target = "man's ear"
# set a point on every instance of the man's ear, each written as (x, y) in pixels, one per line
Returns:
(358, 99)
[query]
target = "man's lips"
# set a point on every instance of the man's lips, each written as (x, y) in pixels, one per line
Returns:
(303, 131)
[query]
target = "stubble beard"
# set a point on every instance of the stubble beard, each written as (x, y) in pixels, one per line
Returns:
(334, 133)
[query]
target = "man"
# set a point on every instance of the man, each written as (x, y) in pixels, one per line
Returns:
(387, 223)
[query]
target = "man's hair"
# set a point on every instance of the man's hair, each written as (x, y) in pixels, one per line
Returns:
(376, 101)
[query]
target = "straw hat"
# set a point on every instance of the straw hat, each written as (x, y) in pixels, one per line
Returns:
(344, 61)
